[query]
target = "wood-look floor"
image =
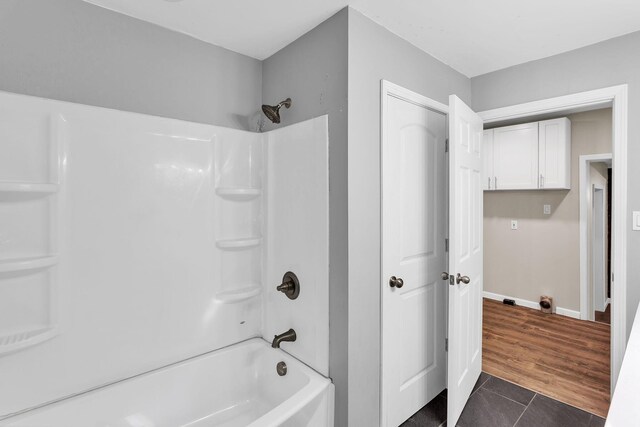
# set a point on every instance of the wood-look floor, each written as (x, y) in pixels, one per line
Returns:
(557, 356)
(604, 316)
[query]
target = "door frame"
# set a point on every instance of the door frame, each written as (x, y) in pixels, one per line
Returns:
(584, 164)
(617, 98)
(391, 89)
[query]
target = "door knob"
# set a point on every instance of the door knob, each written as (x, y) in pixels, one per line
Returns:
(396, 282)
(444, 275)
(463, 279)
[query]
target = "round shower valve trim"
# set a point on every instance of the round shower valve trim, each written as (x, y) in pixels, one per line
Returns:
(290, 285)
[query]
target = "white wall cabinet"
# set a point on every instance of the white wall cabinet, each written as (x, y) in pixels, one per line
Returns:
(554, 154)
(528, 156)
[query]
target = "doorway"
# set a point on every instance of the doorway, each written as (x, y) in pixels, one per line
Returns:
(598, 272)
(540, 256)
(596, 210)
(615, 97)
(599, 255)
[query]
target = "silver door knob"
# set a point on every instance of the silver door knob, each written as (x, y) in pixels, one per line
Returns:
(463, 279)
(444, 275)
(396, 282)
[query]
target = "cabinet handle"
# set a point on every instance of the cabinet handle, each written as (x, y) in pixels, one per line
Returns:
(488, 183)
(541, 181)
(495, 182)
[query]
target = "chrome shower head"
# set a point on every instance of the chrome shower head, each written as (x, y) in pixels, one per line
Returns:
(273, 112)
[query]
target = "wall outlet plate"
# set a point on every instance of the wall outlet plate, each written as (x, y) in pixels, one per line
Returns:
(546, 209)
(514, 224)
(636, 221)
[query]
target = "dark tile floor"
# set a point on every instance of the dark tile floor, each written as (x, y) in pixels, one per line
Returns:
(498, 403)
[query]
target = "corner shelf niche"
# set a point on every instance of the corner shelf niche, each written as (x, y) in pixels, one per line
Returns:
(239, 295)
(30, 173)
(20, 340)
(239, 194)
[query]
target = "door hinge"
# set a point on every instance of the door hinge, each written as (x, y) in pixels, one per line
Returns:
(446, 344)
(446, 145)
(446, 245)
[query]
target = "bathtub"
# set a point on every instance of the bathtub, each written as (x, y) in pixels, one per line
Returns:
(232, 387)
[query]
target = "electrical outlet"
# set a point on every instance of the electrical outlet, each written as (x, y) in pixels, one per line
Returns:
(547, 209)
(636, 221)
(514, 224)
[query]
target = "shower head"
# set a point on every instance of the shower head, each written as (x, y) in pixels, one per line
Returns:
(273, 112)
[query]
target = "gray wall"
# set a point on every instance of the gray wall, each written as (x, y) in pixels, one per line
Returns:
(609, 63)
(73, 51)
(313, 72)
(375, 54)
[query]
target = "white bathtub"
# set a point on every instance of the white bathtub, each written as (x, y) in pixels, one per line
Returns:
(234, 386)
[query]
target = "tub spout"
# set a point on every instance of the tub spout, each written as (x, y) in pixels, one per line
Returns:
(290, 335)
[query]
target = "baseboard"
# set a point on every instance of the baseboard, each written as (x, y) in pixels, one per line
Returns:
(566, 312)
(519, 301)
(531, 304)
(606, 303)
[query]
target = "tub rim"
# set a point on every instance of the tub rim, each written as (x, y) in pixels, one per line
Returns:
(277, 414)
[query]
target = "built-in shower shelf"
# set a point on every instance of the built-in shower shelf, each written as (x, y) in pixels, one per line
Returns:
(31, 263)
(232, 244)
(239, 295)
(239, 194)
(20, 340)
(29, 188)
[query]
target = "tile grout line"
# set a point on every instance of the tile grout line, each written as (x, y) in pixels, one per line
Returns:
(525, 410)
(499, 395)
(505, 397)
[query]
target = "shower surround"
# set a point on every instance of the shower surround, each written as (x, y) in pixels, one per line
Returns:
(130, 242)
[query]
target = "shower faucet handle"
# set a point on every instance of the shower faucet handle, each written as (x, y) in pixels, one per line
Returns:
(290, 285)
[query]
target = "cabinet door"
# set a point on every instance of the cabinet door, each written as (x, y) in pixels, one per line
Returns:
(487, 154)
(555, 153)
(515, 157)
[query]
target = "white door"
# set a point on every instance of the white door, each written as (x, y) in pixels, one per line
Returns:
(414, 206)
(465, 256)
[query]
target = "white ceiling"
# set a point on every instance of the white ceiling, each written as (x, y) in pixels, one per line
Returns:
(472, 36)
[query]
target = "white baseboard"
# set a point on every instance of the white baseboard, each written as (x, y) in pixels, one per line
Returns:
(531, 304)
(519, 301)
(566, 312)
(606, 303)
